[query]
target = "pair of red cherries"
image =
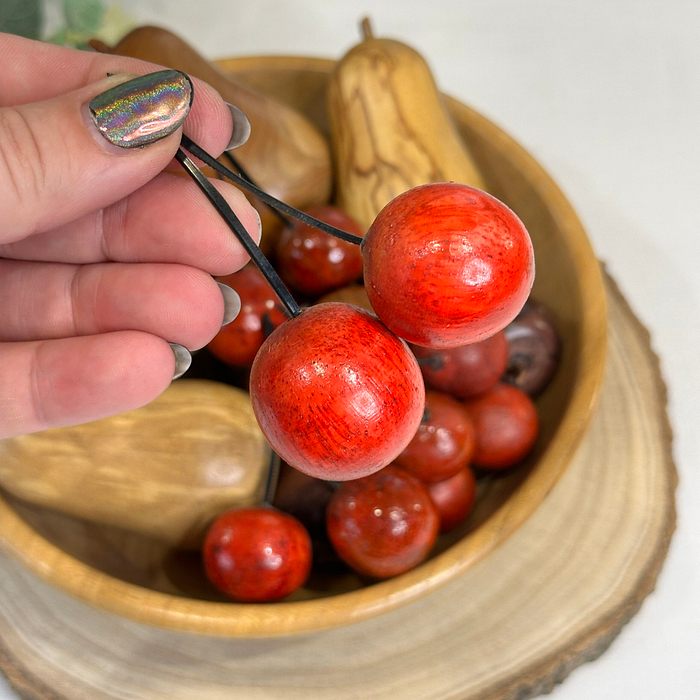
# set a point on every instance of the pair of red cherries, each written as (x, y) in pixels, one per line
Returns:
(336, 391)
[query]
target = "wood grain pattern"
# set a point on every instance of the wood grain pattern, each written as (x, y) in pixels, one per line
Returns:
(569, 282)
(390, 128)
(553, 596)
(164, 470)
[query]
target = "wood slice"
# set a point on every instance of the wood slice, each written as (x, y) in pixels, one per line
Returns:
(553, 596)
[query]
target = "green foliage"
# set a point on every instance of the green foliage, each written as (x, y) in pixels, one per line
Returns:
(23, 17)
(83, 16)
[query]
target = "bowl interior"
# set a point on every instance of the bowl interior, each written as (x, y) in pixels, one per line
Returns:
(143, 579)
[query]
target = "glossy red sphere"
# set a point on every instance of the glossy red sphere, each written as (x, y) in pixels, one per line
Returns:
(444, 442)
(337, 395)
(506, 426)
(313, 262)
(238, 342)
(447, 265)
(454, 498)
(384, 524)
(257, 554)
(466, 371)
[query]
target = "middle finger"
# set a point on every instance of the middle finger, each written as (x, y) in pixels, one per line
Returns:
(167, 220)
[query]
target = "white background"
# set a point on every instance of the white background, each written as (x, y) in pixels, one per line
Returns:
(606, 95)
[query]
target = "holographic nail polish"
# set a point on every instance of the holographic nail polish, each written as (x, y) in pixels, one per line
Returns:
(143, 110)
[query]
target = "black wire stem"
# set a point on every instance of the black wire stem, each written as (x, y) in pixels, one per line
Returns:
(234, 223)
(243, 183)
(235, 163)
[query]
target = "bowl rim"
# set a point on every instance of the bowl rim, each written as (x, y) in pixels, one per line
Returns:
(288, 618)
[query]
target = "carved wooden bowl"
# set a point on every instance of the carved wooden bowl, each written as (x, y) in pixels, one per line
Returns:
(143, 579)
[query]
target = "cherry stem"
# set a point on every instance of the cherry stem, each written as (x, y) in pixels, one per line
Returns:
(243, 173)
(273, 477)
(271, 201)
(234, 223)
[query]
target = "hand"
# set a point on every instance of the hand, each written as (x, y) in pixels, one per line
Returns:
(105, 257)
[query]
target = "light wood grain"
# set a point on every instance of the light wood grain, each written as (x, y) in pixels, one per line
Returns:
(550, 598)
(164, 470)
(390, 128)
(568, 281)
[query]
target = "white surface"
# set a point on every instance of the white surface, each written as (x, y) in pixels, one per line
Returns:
(606, 95)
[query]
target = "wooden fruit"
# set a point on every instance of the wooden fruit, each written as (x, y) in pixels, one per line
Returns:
(238, 342)
(454, 498)
(506, 425)
(534, 349)
(444, 442)
(257, 554)
(354, 294)
(336, 394)
(286, 154)
(446, 265)
(465, 371)
(164, 470)
(313, 262)
(384, 524)
(390, 128)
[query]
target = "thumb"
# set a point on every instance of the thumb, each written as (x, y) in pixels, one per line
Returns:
(79, 152)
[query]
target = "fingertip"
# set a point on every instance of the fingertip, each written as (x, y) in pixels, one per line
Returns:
(210, 122)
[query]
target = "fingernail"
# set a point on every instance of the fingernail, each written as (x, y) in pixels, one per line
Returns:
(143, 110)
(232, 303)
(260, 231)
(241, 127)
(183, 359)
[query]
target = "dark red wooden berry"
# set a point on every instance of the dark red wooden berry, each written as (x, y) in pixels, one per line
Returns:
(257, 554)
(534, 349)
(447, 265)
(466, 371)
(337, 395)
(306, 498)
(238, 342)
(383, 524)
(454, 498)
(506, 426)
(313, 262)
(444, 442)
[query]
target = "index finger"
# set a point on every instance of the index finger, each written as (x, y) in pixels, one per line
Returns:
(32, 71)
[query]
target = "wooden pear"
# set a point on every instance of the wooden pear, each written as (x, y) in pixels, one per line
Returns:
(390, 128)
(164, 470)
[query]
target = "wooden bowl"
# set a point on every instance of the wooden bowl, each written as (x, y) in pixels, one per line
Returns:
(142, 579)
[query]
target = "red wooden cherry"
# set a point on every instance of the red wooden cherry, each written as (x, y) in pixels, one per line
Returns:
(257, 554)
(384, 524)
(313, 262)
(465, 371)
(446, 265)
(238, 342)
(444, 442)
(336, 394)
(454, 498)
(506, 426)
